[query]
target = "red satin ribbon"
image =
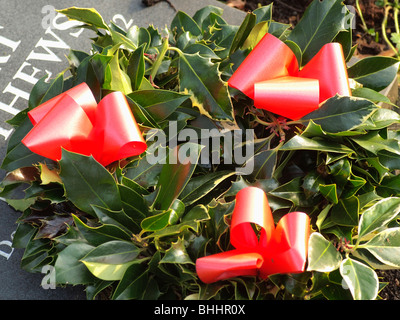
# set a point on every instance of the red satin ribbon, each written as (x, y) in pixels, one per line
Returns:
(74, 121)
(280, 249)
(270, 76)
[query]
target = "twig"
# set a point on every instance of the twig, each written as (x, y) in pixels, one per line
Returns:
(149, 3)
(384, 23)
(289, 6)
(360, 14)
(171, 5)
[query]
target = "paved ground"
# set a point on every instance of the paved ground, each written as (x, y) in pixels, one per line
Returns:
(29, 50)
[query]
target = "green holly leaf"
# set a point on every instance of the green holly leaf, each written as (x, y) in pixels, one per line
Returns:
(200, 77)
(176, 173)
(133, 283)
(340, 114)
(320, 24)
(69, 268)
(385, 246)
(89, 16)
(374, 72)
(136, 68)
(116, 79)
(362, 281)
(177, 253)
(322, 254)
(183, 22)
(88, 183)
(160, 104)
(110, 260)
(378, 215)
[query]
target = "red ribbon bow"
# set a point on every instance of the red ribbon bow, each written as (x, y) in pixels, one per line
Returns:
(74, 121)
(279, 250)
(270, 76)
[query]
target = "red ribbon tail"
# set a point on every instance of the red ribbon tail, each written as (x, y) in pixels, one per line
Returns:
(287, 251)
(228, 264)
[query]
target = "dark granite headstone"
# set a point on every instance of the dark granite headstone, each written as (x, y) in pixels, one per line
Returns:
(34, 41)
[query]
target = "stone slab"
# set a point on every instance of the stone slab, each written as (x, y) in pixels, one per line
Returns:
(30, 49)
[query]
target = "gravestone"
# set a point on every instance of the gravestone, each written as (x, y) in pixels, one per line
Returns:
(34, 42)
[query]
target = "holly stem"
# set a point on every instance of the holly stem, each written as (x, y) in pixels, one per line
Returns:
(384, 24)
(364, 25)
(159, 59)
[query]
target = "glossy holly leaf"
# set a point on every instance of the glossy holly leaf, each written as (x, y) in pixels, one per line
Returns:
(374, 72)
(117, 218)
(204, 12)
(158, 103)
(362, 281)
(378, 215)
(136, 68)
(88, 183)
(322, 254)
(95, 235)
(303, 143)
(263, 163)
(110, 260)
(263, 13)
(18, 155)
(243, 32)
(177, 253)
(145, 172)
(375, 143)
(68, 267)
(48, 175)
(381, 118)
(43, 90)
(256, 34)
(89, 16)
(200, 186)
(200, 78)
(132, 284)
(163, 219)
(139, 37)
(372, 95)
(191, 220)
(341, 171)
(183, 22)
(176, 173)
(53, 226)
(116, 79)
(291, 191)
(320, 24)
(119, 38)
(346, 211)
(329, 191)
(339, 113)
(385, 246)
(99, 63)
(133, 203)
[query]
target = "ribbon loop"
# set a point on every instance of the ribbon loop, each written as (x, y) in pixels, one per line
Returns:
(270, 76)
(74, 121)
(280, 250)
(251, 207)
